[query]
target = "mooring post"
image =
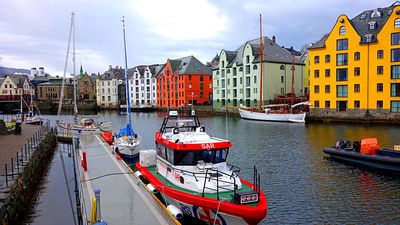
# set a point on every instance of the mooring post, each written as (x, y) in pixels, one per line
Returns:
(6, 176)
(98, 208)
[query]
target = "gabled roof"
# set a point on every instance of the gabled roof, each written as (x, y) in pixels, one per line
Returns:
(2, 80)
(361, 24)
(18, 79)
(186, 65)
(113, 73)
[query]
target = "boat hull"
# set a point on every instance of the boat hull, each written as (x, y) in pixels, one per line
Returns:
(275, 117)
(376, 162)
(108, 137)
(208, 209)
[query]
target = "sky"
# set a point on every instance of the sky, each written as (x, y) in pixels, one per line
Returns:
(34, 33)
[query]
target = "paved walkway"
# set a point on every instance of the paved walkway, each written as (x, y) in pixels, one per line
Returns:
(123, 200)
(11, 144)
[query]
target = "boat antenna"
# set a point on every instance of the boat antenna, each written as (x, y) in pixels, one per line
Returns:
(65, 66)
(261, 64)
(128, 101)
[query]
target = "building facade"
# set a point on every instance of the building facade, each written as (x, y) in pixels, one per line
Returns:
(86, 86)
(355, 69)
(236, 78)
(107, 88)
(183, 82)
(52, 90)
(14, 86)
(142, 85)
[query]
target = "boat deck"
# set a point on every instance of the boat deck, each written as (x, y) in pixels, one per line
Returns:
(226, 196)
(123, 199)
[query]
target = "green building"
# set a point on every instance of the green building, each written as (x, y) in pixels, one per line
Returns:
(236, 75)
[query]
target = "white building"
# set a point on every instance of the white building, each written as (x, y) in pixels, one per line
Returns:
(142, 85)
(107, 88)
(16, 85)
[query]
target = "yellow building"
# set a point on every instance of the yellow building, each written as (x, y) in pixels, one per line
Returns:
(355, 69)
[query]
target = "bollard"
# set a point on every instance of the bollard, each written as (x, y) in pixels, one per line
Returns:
(84, 162)
(98, 208)
(6, 176)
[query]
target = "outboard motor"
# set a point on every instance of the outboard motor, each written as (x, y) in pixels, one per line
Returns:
(356, 146)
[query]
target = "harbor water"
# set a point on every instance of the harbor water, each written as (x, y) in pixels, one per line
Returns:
(301, 185)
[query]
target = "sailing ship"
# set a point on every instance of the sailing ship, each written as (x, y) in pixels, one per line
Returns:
(30, 117)
(126, 140)
(87, 125)
(273, 112)
(189, 170)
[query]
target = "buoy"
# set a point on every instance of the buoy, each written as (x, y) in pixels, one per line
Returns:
(152, 188)
(177, 213)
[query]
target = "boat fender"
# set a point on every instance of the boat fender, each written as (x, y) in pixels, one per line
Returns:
(177, 213)
(151, 188)
(138, 174)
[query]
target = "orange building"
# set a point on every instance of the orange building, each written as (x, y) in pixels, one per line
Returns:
(182, 82)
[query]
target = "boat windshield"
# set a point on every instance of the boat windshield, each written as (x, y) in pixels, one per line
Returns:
(193, 157)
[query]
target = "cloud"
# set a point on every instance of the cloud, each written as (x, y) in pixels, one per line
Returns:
(181, 20)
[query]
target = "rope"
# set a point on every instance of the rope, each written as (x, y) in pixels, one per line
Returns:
(216, 214)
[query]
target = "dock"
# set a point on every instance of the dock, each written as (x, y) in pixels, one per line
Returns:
(123, 199)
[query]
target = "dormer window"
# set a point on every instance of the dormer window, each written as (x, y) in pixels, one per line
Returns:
(363, 16)
(397, 23)
(375, 14)
(372, 25)
(342, 30)
(390, 12)
(368, 37)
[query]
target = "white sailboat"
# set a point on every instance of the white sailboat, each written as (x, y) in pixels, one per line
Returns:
(87, 126)
(31, 117)
(126, 139)
(275, 112)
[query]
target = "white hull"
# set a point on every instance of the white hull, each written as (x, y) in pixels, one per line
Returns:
(77, 129)
(276, 117)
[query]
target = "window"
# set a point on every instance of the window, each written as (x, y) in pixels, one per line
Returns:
(375, 14)
(397, 23)
(234, 71)
(379, 87)
(341, 91)
(341, 59)
(327, 104)
(109, 98)
(228, 71)
(247, 92)
(379, 54)
(341, 105)
(316, 73)
(327, 58)
(247, 59)
(327, 72)
(247, 81)
(255, 67)
(395, 55)
(356, 71)
(368, 37)
(247, 69)
(316, 104)
(356, 56)
(316, 59)
(379, 70)
(395, 106)
(395, 90)
(223, 63)
(379, 104)
(234, 82)
(395, 39)
(372, 25)
(341, 74)
(201, 78)
(201, 86)
(282, 67)
(327, 89)
(282, 79)
(190, 76)
(341, 44)
(223, 93)
(190, 85)
(395, 73)
(223, 83)
(316, 89)
(356, 87)
(342, 30)
(363, 16)
(356, 104)
(255, 79)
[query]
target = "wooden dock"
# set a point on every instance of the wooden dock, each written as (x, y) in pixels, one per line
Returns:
(123, 199)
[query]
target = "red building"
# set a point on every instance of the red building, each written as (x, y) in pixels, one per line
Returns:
(182, 82)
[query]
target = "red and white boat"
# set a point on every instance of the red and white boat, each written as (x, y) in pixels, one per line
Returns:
(189, 170)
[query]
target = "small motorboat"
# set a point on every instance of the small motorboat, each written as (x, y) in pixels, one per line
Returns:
(108, 137)
(189, 170)
(366, 153)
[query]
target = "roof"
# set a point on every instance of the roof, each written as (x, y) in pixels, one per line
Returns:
(2, 80)
(154, 69)
(361, 24)
(40, 78)
(272, 52)
(186, 65)
(303, 56)
(113, 73)
(18, 79)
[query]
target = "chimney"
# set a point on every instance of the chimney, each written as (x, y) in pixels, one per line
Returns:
(291, 47)
(273, 39)
(110, 67)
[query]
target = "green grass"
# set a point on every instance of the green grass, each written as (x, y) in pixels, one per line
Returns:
(226, 196)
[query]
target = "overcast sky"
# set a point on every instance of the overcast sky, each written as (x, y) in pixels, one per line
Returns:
(34, 33)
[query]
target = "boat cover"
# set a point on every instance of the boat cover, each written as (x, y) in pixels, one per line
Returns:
(369, 146)
(126, 131)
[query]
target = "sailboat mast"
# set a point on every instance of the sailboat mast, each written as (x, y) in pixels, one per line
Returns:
(74, 74)
(292, 90)
(128, 102)
(261, 64)
(65, 67)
